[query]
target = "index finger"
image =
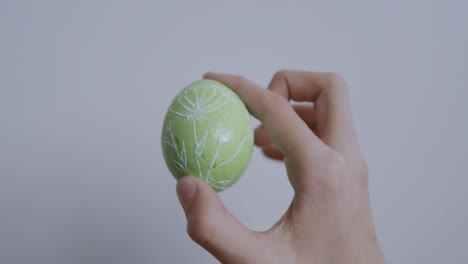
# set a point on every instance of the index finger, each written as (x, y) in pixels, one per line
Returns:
(287, 130)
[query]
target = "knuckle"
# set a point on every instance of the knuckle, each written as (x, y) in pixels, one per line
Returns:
(200, 229)
(334, 77)
(332, 159)
(339, 174)
(278, 100)
(240, 81)
(335, 168)
(275, 103)
(281, 74)
(335, 80)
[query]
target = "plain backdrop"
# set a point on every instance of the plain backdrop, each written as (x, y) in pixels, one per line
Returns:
(84, 87)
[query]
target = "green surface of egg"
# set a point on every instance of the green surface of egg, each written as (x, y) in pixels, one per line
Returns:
(207, 133)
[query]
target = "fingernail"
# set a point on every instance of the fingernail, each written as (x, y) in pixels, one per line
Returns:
(186, 190)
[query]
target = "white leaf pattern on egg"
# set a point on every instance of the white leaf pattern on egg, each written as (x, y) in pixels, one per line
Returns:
(195, 104)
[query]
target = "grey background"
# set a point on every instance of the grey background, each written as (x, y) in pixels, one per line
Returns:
(84, 86)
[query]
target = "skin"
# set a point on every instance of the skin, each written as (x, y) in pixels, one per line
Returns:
(329, 219)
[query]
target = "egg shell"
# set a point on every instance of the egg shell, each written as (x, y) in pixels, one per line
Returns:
(207, 133)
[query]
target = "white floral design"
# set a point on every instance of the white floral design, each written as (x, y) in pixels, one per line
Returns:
(181, 162)
(200, 105)
(195, 105)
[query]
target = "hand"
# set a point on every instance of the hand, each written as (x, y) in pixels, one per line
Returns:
(329, 219)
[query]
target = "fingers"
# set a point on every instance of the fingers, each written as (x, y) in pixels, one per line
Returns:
(305, 112)
(328, 92)
(262, 139)
(268, 148)
(273, 152)
(212, 226)
(286, 129)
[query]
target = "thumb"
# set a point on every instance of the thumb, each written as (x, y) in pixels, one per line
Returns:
(211, 226)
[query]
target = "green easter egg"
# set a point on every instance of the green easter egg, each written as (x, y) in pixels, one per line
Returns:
(207, 133)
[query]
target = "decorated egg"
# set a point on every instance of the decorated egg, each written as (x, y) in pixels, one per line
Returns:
(207, 133)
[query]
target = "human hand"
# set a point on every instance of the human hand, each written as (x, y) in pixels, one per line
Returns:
(329, 219)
